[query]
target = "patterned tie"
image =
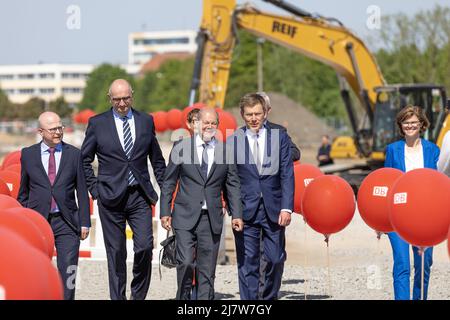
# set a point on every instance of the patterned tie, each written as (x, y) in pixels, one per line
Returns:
(256, 153)
(52, 174)
(204, 165)
(128, 145)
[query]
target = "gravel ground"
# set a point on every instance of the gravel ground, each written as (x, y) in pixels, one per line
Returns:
(355, 266)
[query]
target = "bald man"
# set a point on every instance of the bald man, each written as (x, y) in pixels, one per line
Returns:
(51, 173)
(123, 138)
(199, 166)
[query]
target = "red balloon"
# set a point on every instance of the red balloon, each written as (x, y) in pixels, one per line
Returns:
(55, 283)
(174, 119)
(304, 174)
(328, 204)
(184, 116)
(419, 207)
(83, 116)
(7, 202)
(25, 271)
(11, 158)
(41, 223)
(25, 228)
(14, 168)
(12, 179)
(227, 124)
(4, 188)
(160, 119)
(373, 205)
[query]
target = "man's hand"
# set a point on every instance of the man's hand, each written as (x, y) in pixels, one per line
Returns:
(284, 218)
(237, 224)
(166, 222)
(84, 233)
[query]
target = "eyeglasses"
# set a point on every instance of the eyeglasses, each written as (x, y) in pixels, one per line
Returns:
(54, 130)
(124, 99)
(410, 123)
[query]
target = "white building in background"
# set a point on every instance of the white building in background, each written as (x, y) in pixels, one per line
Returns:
(142, 46)
(48, 81)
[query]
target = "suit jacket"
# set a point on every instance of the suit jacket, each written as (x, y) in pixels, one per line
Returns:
(276, 182)
(36, 191)
(193, 189)
(395, 155)
(102, 140)
(295, 151)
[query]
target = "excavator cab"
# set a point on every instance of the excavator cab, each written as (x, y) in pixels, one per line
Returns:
(390, 99)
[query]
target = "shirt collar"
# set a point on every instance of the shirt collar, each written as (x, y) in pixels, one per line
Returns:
(45, 147)
(251, 134)
(199, 141)
(118, 116)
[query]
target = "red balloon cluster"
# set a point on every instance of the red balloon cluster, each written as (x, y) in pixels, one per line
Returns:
(419, 207)
(373, 204)
(174, 119)
(227, 124)
(83, 116)
(12, 179)
(304, 174)
(11, 159)
(160, 120)
(328, 204)
(25, 272)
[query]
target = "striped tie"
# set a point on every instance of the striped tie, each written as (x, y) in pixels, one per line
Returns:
(128, 145)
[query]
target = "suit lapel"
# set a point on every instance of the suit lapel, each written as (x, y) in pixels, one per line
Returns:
(114, 133)
(218, 155)
(195, 157)
(249, 155)
(62, 161)
(38, 156)
(137, 130)
(401, 153)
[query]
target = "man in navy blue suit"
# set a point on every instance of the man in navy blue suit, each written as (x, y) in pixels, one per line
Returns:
(265, 168)
(123, 139)
(51, 172)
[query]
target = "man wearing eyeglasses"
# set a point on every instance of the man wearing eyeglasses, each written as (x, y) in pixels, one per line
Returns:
(51, 173)
(123, 138)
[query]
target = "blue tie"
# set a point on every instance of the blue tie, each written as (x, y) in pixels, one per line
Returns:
(204, 165)
(128, 145)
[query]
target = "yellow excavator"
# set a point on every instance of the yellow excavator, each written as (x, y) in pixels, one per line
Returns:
(329, 41)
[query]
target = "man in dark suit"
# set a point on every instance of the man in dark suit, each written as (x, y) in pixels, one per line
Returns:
(199, 165)
(123, 138)
(265, 169)
(51, 172)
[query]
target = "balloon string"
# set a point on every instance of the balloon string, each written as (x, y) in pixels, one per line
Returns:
(422, 273)
(306, 262)
(327, 238)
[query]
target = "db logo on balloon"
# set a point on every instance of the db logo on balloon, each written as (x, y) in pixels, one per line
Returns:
(380, 191)
(400, 198)
(307, 181)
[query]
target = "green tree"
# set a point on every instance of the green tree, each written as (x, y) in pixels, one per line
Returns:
(95, 94)
(166, 88)
(61, 107)
(6, 107)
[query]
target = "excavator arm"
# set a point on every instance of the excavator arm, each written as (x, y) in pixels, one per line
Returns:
(319, 38)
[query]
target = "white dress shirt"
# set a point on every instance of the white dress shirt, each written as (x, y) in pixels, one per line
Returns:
(45, 157)
(210, 151)
(261, 137)
(413, 158)
(119, 126)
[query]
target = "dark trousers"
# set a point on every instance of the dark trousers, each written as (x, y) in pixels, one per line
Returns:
(197, 249)
(67, 243)
(136, 210)
(249, 256)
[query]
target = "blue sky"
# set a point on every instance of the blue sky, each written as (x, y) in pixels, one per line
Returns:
(33, 31)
